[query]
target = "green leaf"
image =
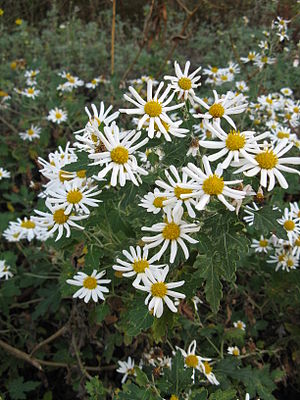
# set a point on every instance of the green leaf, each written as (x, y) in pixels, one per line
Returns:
(141, 377)
(18, 389)
(137, 318)
(95, 389)
(223, 395)
(213, 288)
(265, 221)
(99, 313)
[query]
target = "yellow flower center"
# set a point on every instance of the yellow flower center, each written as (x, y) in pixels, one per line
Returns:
(140, 266)
(174, 397)
(93, 82)
(288, 116)
(60, 217)
(90, 283)
(18, 21)
(216, 110)
(235, 141)
(71, 79)
(239, 325)
(81, 174)
(30, 132)
(119, 155)
(282, 135)
(296, 110)
(207, 368)
(289, 225)
(178, 191)
(3, 94)
(251, 56)
(267, 159)
(263, 243)
(236, 352)
(159, 289)
(297, 242)
(264, 59)
(213, 185)
(158, 201)
(58, 115)
(30, 90)
(130, 371)
(281, 257)
(191, 361)
(269, 101)
(185, 83)
(64, 176)
(224, 78)
(28, 224)
(74, 196)
(171, 231)
(153, 108)
(290, 263)
(214, 70)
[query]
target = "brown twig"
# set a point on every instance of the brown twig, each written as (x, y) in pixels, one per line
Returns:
(20, 354)
(77, 354)
(113, 29)
(60, 332)
(9, 125)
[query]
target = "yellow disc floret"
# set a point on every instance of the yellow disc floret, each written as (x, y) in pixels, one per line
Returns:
(90, 283)
(213, 185)
(185, 83)
(207, 368)
(267, 159)
(74, 196)
(140, 266)
(60, 217)
(289, 225)
(153, 108)
(58, 115)
(236, 352)
(171, 231)
(235, 141)
(81, 173)
(159, 289)
(191, 361)
(178, 191)
(30, 132)
(158, 201)
(119, 155)
(283, 135)
(28, 224)
(263, 243)
(216, 110)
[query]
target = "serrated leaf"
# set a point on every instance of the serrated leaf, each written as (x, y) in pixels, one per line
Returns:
(213, 287)
(18, 388)
(223, 394)
(141, 377)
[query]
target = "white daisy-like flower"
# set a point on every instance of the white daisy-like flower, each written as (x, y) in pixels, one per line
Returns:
(184, 83)
(73, 195)
(193, 150)
(262, 245)
(137, 265)
(32, 133)
(118, 156)
(172, 231)
(30, 92)
(269, 164)
(263, 60)
(13, 232)
(4, 270)
(172, 129)
(279, 258)
(295, 210)
(126, 368)
(286, 91)
(239, 325)
(210, 184)
(58, 220)
(57, 115)
(93, 84)
(223, 107)
(191, 360)
(175, 188)
(4, 173)
(282, 133)
(27, 228)
(241, 86)
(207, 369)
(291, 224)
(91, 285)
(159, 291)
(31, 73)
(296, 247)
(234, 351)
(251, 57)
(232, 145)
(153, 202)
(154, 109)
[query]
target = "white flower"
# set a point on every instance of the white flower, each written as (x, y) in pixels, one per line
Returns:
(207, 371)
(286, 91)
(172, 129)
(295, 210)
(126, 368)
(4, 173)
(239, 325)
(154, 109)
(184, 83)
(233, 144)
(191, 360)
(282, 133)
(23, 229)
(262, 245)
(241, 86)
(172, 231)
(30, 92)
(175, 189)
(263, 60)
(137, 265)
(194, 147)
(118, 156)
(269, 164)
(57, 115)
(4, 270)
(291, 224)
(252, 56)
(93, 84)
(154, 284)
(211, 184)
(153, 202)
(223, 107)
(32, 73)
(32, 133)
(234, 351)
(91, 285)
(72, 195)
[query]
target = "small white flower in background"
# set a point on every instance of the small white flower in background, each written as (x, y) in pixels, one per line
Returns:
(210, 184)
(32, 133)
(241, 86)
(234, 351)
(262, 245)
(93, 84)
(191, 360)
(184, 83)
(239, 325)
(263, 60)
(27, 228)
(57, 115)
(251, 57)
(72, 82)
(126, 368)
(286, 91)
(170, 129)
(173, 191)
(206, 369)
(196, 300)
(279, 258)
(282, 133)
(295, 210)
(30, 92)
(269, 164)
(73, 195)
(159, 291)
(237, 203)
(4, 173)
(223, 107)
(193, 150)
(172, 231)
(118, 156)
(281, 23)
(154, 110)
(4, 270)
(153, 202)
(91, 285)
(32, 73)
(137, 265)
(291, 224)
(13, 232)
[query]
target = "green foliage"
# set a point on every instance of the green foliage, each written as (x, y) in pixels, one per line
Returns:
(18, 389)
